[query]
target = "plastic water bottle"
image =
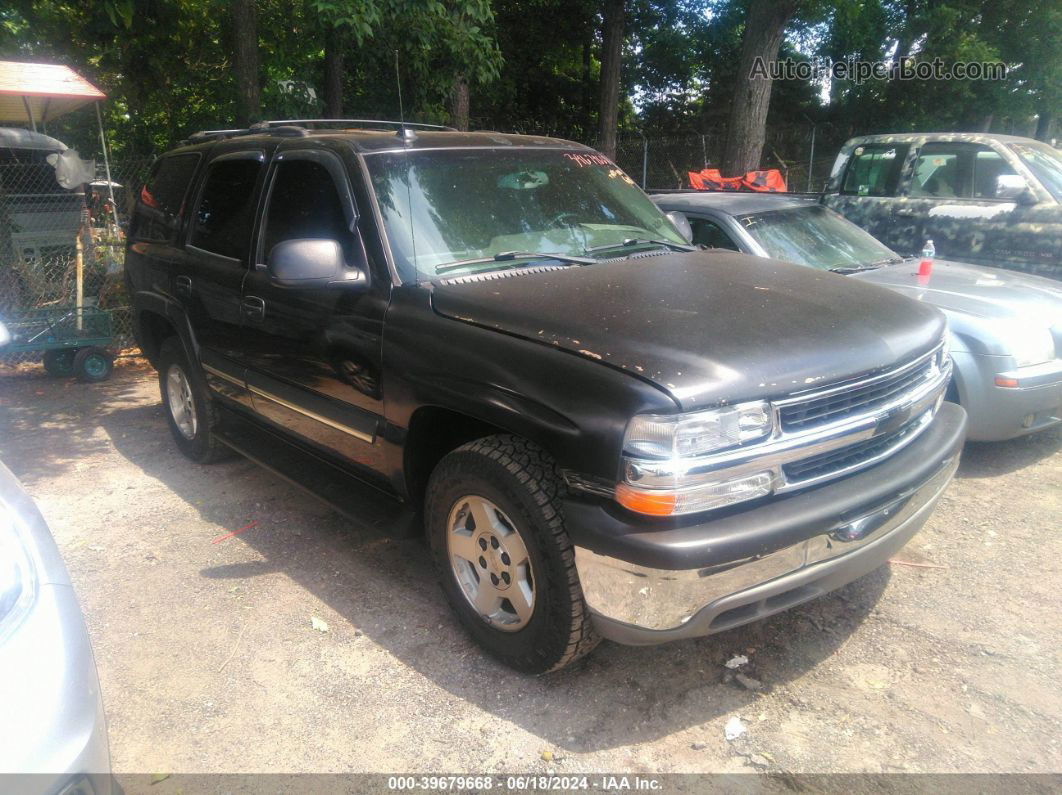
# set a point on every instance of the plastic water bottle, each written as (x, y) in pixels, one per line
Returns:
(925, 265)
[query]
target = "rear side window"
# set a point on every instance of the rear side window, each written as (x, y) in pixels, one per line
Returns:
(225, 214)
(162, 197)
(874, 170)
(958, 170)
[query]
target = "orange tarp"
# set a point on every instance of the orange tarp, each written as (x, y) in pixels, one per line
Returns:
(767, 180)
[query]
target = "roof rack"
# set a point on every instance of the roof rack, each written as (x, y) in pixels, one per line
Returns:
(298, 127)
(395, 125)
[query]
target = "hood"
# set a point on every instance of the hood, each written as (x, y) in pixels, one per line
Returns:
(706, 327)
(990, 293)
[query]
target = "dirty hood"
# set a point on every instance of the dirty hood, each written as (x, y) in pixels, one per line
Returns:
(975, 290)
(706, 327)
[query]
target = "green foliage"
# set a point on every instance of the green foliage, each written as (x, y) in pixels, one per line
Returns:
(533, 65)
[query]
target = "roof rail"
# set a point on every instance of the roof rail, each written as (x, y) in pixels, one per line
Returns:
(217, 135)
(396, 125)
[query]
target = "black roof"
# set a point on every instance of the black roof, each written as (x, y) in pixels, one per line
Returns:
(378, 136)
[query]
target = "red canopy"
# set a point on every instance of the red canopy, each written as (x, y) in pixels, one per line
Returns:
(31, 93)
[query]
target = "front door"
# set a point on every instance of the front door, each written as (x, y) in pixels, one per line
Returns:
(952, 190)
(313, 354)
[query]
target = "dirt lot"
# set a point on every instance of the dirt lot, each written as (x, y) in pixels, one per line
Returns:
(209, 661)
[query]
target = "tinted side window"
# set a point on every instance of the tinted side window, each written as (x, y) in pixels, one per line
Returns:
(938, 172)
(874, 170)
(709, 233)
(988, 166)
(225, 214)
(304, 202)
(162, 197)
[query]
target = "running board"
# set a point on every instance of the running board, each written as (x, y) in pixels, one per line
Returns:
(354, 498)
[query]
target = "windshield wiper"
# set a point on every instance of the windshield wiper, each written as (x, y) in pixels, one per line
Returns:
(638, 241)
(870, 266)
(507, 256)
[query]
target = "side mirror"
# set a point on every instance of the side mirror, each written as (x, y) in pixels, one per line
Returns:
(682, 224)
(310, 262)
(1010, 187)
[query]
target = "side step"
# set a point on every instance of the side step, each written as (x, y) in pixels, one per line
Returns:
(354, 498)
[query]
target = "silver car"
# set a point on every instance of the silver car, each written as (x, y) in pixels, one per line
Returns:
(53, 736)
(1006, 327)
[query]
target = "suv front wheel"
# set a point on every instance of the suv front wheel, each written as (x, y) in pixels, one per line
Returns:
(504, 558)
(190, 412)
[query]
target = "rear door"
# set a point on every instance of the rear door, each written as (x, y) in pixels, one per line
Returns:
(314, 354)
(218, 252)
(154, 259)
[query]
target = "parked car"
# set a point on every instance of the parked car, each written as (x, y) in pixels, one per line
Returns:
(987, 199)
(606, 431)
(1006, 328)
(53, 738)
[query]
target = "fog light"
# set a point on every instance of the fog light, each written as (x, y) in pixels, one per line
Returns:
(693, 500)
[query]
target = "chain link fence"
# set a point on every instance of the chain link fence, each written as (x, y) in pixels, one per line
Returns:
(63, 248)
(804, 157)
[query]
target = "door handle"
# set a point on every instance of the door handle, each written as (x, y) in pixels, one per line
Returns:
(253, 307)
(183, 285)
(905, 212)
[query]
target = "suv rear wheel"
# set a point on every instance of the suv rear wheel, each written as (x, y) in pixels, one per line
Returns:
(503, 556)
(190, 412)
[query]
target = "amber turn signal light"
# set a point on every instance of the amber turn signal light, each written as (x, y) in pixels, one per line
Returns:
(645, 502)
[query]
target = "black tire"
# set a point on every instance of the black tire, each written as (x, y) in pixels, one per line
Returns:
(203, 445)
(92, 365)
(60, 363)
(521, 480)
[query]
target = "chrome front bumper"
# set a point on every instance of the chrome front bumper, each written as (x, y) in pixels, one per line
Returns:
(640, 605)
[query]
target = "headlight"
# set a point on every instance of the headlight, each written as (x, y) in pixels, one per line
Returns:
(685, 435)
(657, 447)
(1031, 345)
(18, 577)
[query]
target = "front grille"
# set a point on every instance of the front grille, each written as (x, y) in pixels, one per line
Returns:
(864, 396)
(837, 460)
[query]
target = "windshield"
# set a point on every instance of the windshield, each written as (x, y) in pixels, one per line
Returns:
(1045, 163)
(445, 206)
(815, 236)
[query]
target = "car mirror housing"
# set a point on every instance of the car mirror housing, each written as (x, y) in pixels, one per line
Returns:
(682, 224)
(311, 262)
(1010, 186)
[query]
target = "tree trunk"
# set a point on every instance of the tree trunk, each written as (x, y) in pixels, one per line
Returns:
(764, 27)
(1043, 124)
(459, 103)
(245, 62)
(333, 76)
(611, 56)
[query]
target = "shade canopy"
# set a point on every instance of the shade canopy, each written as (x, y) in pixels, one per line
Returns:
(31, 93)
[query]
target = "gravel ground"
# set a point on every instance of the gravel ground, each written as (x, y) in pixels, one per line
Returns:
(210, 661)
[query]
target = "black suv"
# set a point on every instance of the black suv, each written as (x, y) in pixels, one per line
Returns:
(606, 431)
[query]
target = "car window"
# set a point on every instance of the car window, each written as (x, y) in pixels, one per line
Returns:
(710, 234)
(874, 170)
(957, 170)
(1045, 162)
(815, 236)
(988, 165)
(225, 213)
(305, 203)
(161, 204)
